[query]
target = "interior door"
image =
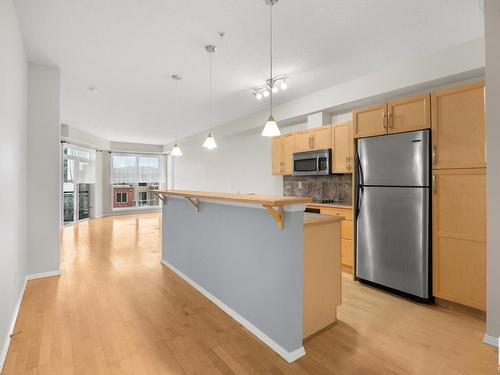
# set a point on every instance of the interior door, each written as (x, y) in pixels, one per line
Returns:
(392, 238)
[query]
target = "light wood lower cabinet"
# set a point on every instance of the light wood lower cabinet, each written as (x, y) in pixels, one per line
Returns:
(322, 276)
(459, 236)
(347, 255)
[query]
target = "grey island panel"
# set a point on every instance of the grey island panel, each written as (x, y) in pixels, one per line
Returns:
(238, 255)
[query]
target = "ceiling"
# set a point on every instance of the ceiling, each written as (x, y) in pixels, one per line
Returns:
(128, 49)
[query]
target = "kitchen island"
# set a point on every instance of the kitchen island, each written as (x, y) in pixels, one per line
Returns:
(259, 258)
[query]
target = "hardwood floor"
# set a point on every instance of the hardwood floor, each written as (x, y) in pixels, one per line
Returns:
(117, 310)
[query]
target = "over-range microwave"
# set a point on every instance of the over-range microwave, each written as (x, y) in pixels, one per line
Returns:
(312, 163)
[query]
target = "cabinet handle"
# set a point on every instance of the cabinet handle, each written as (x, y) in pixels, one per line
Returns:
(390, 121)
(384, 120)
(434, 154)
(434, 184)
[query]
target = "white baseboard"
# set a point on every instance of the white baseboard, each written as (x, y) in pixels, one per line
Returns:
(288, 356)
(5, 347)
(490, 340)
(43, 274)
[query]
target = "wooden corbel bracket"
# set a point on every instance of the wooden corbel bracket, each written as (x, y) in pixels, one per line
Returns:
(278, 215)
(195, 202)
(162, 197)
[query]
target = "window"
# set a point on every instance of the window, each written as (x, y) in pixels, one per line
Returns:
(121, 197)
(136, 175)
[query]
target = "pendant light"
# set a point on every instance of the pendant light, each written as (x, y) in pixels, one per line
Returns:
(271, 128)
(176, 151)
(210, 140)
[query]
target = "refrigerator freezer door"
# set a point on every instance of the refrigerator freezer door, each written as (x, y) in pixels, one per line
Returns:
(395, 160)
(393, 238)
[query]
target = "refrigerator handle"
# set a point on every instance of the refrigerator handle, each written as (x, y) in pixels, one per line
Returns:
(359, 200)
(361, 178)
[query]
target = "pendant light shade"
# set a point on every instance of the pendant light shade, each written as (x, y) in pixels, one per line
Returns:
(271, 128)
(210, 142)
(176, 151)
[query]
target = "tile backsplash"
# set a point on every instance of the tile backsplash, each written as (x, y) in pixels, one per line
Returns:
(336, 187)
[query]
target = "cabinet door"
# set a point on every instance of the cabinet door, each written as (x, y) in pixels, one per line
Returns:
(288, 146)
(304, 140)
(370, 121)
(458, 134)
(322, 137)
(409, 114)
(277, 156)
(347, 255)
(459, 236)
(342, 147)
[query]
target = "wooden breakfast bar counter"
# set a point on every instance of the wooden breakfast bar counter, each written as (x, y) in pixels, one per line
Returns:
(261, 259)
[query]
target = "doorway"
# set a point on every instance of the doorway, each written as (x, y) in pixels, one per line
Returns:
(78, 184)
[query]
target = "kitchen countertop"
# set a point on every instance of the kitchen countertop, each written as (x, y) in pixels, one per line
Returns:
(265, 200)
(332, 205)
(314, 219)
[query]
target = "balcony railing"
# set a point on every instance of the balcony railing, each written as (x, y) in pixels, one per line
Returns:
(147, 203)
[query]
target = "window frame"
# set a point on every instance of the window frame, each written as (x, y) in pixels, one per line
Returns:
(135, 185)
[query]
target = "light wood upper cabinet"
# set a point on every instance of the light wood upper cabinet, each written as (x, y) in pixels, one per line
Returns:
(304, 140)
(370, 121)
(409, 114)
(282, 154)
(322, 137)
(277, 155)
(342, 144)
(458, 134)
(459, 236)
(288, 146)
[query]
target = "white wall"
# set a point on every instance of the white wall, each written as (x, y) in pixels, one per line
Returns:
(83, 138)
(44, 197)
(99, 185)
(13, 149)
(492, 24)
(242, 163)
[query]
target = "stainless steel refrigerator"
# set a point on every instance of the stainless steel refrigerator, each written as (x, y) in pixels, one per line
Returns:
(393, 212)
